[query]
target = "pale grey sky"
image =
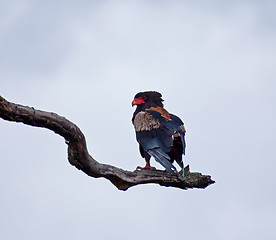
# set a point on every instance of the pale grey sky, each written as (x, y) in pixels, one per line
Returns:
(214, 63)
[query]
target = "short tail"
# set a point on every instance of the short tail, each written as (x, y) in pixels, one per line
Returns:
(162, 158)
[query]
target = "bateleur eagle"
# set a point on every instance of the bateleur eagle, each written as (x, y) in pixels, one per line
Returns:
(160, 135)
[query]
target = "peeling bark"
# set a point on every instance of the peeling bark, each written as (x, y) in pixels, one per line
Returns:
(79, 157)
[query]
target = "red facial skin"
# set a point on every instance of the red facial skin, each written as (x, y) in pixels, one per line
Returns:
(138, 101)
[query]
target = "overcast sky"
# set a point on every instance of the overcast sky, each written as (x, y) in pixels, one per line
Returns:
(213, 62)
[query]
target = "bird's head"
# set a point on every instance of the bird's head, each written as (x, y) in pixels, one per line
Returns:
(142, 98)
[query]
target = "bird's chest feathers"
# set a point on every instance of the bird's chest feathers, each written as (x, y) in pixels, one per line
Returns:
(144, 121)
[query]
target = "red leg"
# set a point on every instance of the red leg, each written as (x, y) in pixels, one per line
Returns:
(148, 166)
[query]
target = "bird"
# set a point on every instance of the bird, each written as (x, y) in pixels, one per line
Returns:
(160, 134)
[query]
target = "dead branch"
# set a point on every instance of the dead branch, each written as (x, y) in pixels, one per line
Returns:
(79, 157)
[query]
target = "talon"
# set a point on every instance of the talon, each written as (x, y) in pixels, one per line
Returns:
(175, 171)
(148, 166)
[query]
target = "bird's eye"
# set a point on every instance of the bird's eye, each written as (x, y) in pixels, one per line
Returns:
(144, 98)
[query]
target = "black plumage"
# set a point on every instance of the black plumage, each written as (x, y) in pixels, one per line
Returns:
(159, 133)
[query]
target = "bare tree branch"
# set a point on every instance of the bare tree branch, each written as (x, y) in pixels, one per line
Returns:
(79, 157)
